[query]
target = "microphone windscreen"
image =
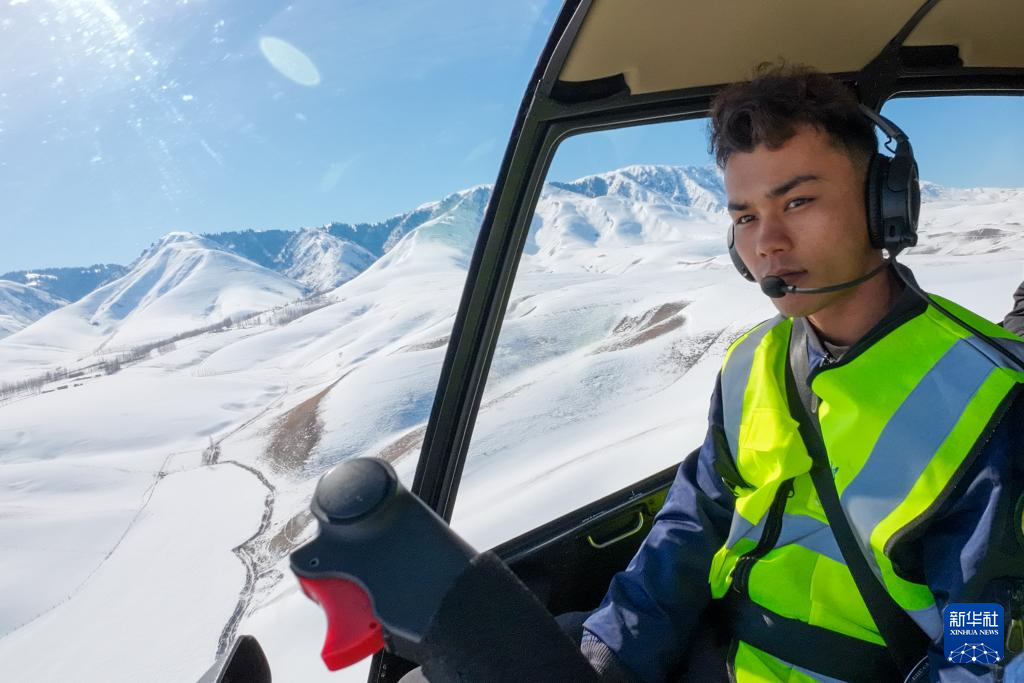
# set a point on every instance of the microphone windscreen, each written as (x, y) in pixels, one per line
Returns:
(774, 286)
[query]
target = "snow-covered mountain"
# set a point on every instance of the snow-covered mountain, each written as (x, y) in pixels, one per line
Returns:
(318, 259)
(446, 236)
(180, 283)
(21, 305)
(180, 482)
(322, 261)
(633, 206)
(27, 295)
(185, 282)
(698, 187)
(69, 284)
(984, 221)
(325, 257)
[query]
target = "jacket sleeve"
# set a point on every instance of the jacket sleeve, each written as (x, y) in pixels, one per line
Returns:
(649, 614)
(973, 551)
(1014, 320)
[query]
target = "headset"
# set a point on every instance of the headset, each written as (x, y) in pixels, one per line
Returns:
(893, 203)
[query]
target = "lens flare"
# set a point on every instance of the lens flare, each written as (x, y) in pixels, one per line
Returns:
(290, 61)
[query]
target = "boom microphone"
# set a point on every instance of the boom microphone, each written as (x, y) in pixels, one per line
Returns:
(775, 287)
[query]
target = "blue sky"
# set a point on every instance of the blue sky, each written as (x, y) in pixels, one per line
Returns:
(121, 120)
(959, 141)
(126, 119)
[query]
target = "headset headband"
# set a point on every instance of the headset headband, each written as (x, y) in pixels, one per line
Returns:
(888, 127)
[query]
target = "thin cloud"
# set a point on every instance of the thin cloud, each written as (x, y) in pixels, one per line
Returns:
(481, 151)
(213, 155)
(332, 176)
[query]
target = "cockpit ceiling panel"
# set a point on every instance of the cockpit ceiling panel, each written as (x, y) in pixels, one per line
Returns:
(989, 33)
(660, 45)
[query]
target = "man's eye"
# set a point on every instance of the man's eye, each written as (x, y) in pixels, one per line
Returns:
(799, 201)
(743, 220)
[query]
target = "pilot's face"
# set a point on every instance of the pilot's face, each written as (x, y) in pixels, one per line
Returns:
(799, 214)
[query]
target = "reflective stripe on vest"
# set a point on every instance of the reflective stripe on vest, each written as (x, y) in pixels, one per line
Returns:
(896, 441)
(756, 666)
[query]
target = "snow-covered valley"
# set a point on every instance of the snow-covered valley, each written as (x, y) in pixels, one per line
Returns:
(153, 483)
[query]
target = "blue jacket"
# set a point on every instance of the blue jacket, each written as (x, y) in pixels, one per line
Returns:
(972, 551)
(1014, 320)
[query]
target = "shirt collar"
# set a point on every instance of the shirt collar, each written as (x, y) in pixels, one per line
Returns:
(906, 303)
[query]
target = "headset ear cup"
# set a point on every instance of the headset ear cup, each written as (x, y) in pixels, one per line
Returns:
(914, 188)
(878, 173)
(735, 255)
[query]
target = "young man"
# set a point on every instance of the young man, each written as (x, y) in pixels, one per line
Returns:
(916, 427)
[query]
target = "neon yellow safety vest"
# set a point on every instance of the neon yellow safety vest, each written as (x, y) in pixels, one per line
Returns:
(899, 420)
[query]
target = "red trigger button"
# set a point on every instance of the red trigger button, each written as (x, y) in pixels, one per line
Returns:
(353, 633)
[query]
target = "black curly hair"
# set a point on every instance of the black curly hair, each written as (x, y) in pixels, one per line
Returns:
(767, 109)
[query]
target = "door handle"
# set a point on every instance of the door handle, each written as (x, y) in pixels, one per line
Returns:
(621, 537)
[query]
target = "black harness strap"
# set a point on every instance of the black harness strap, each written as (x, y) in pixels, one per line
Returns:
(817, 649)
(906, 642)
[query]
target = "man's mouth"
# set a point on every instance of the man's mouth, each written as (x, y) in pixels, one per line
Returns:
(791, 277)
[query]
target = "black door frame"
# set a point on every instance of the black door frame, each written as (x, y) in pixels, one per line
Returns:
(488, 280)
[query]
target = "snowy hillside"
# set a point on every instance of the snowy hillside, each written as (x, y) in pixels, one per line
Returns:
(322, 261)
(698, 187)
(70, 284)
(325, 257)
(980, 221)
(21, 305)
(633, 207)
(28, 295)
(447, 237)
(318, 259)
(180, 283)
(152, 508)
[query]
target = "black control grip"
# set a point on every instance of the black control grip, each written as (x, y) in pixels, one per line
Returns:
(383, 555)
(376, 534)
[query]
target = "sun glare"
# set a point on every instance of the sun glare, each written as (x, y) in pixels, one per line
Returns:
(290, 61)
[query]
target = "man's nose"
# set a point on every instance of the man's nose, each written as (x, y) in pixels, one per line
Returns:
(773, 236)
